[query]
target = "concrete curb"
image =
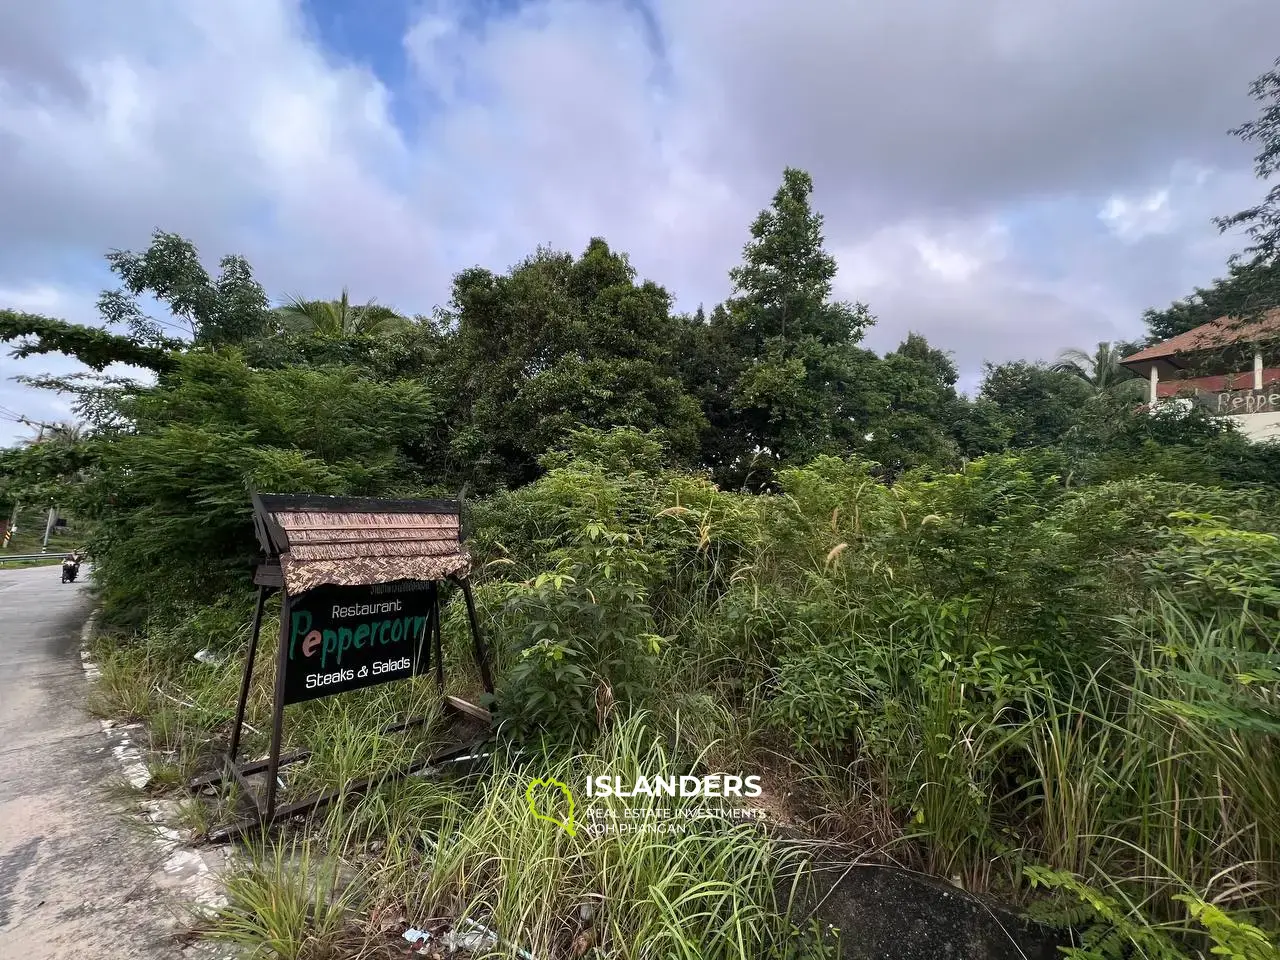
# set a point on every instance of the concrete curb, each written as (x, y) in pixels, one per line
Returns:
(189, 873)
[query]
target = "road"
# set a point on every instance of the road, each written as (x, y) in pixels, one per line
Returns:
(78, 878)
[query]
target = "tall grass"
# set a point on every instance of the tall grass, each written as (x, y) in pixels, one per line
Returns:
(1159, 776)
(656, 880)
(961, 674)
(644, 877)
(286, 903)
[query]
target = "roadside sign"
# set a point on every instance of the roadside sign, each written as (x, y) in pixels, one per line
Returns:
(346, 638)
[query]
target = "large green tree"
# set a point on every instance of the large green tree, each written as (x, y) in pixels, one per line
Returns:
(556, 344)
(918, 425)
(798, 384)
(226, 309)
(1037, 404)
(204, 311)
(169, 496)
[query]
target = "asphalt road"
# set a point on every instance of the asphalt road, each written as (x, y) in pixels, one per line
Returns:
(78, 877)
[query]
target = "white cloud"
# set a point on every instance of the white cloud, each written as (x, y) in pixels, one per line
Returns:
(40, 298)
(1133, 218)
(927, 133)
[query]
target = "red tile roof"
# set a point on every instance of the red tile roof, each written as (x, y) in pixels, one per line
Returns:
(1216, 383)
(1216, 333)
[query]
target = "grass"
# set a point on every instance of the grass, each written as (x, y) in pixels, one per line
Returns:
(52, 561)
(472, 851)
(1127, 785)
(285, 904)
(468, 849)
(1127, 780)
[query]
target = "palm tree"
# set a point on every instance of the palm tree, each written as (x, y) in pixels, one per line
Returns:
(1101, 369)
(340, 319)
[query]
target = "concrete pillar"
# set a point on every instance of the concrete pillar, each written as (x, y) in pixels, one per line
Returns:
(1155, 379)
(1257, 369)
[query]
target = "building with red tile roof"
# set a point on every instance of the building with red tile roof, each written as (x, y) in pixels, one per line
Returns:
(1209, 365)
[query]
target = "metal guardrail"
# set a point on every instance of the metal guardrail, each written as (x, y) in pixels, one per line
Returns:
(29, 556)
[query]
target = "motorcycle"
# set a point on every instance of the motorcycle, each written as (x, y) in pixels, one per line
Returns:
(70, 569)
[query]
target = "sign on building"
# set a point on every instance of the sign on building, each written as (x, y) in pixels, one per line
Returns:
(1231, 403)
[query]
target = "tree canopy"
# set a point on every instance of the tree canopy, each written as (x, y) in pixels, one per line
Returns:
(1262, 221)
(518, 363)
(1252, 283)
(794, 380)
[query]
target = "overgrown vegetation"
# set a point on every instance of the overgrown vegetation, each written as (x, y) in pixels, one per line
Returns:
(1025, 641)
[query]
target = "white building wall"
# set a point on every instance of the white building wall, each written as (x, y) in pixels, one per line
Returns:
(1258, 426)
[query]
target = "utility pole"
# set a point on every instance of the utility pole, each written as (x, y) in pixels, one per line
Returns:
(38, 423)
(13, 525)
(53, 511)
(48, 528)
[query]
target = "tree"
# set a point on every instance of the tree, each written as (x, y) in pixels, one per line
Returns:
(1262, 222)
(979, 427)
(169, 498)
(47, 470)
(37, 335)
(231, 309)
(708, 367)
(228, 310)
(1038, 405)
(557, 344)
(205, 313)
(1252, 284)
(1101, 369)
(1246, 291)
(340, 319)
(918, 383)
(798, 384)
(784, 282)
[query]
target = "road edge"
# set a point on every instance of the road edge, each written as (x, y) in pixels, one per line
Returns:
(201, 884)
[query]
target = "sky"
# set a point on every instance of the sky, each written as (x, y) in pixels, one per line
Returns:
(1008, 177)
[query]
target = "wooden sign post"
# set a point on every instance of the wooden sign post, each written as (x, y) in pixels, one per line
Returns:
(361, 584)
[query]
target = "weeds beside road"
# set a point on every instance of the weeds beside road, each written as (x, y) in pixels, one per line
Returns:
(982, 676)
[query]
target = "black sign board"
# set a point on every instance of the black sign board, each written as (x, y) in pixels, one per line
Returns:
(346, 638)
(380, 622)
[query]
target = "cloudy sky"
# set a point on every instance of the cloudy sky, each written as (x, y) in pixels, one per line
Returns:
(1008, 177)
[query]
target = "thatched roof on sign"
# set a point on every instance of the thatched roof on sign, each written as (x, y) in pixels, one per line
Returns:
(360, 541)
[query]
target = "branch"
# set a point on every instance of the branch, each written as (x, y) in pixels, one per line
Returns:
(92, 346)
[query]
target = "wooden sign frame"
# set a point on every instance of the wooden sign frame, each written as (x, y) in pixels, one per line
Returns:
(427, 654)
